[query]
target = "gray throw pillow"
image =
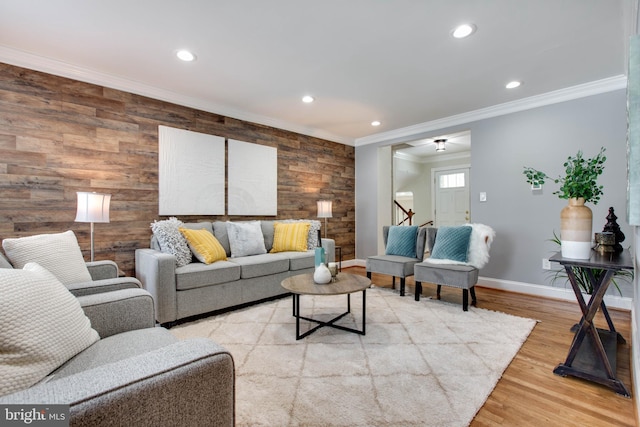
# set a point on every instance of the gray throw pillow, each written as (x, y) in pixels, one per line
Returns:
(171, 240)
(245, 238)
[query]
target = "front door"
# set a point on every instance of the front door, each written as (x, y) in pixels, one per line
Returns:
(452, 197)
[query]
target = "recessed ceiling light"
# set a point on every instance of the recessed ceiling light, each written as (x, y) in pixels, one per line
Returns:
(375, 123)
(308, 99)
(464, 30)
(512, 85)
(185, 55)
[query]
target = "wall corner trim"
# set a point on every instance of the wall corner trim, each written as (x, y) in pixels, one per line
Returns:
(567, 94)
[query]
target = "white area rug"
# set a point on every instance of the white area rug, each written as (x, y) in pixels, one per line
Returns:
(424, 363)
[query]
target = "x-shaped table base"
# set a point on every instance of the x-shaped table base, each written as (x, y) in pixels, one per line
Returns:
(330, 323)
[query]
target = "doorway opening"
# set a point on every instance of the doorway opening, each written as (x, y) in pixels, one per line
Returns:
(441, 200)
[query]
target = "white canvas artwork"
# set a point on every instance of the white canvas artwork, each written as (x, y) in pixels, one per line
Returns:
(252, 179)
(191, 171)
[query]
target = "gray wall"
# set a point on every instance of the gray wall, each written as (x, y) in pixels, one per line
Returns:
(542, 138)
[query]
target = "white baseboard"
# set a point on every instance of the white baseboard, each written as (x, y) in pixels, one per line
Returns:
(612, 301)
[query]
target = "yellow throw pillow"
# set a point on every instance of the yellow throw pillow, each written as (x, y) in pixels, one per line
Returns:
(204, 245)
(290, 236)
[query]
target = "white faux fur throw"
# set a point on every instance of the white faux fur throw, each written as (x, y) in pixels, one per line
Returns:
(478, 254)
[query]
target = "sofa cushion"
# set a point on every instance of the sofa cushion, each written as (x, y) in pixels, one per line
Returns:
(220, 232)
(58, 253)
(114, 348)
(261, 265)
(290, 237)
(43, 326)
(197, 274)
(204, 245)
(245, 238)
(4, 263)
(300, 260)
(199, 226)
(267, 233)
(171, 241)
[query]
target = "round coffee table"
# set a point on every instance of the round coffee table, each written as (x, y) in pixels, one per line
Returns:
(345, 283)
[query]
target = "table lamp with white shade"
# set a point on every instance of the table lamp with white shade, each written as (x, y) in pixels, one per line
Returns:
(324, 211)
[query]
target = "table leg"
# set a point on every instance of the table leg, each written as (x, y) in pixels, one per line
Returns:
(593, 347)
(364, 310)
(296, 313)
(330, 323)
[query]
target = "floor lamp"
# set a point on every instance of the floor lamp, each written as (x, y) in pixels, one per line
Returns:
(92, 207)
(324, 211)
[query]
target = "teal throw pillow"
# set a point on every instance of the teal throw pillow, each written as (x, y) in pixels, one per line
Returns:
(452, 243)
(402, 240)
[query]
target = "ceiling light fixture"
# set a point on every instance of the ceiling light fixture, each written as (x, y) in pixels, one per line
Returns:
(185, 55)
(375, 123)
(440, 144)
(464, 30)
(512, 85)
(307, 99)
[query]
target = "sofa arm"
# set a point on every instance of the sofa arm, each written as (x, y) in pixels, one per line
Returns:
(157, 272)
(188, 383)
(114, 312)
(105, 285)
(329, 246)
(103, 269)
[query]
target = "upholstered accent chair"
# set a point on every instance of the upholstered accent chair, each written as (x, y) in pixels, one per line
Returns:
(458, 264)
(102, 354)
(404, 248)
(61, 254)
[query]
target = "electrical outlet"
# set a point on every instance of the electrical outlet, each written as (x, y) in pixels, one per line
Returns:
(546, 264)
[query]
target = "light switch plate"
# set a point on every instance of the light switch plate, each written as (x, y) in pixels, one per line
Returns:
(483, 196)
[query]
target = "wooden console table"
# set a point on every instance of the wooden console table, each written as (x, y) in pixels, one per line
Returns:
(593, 352)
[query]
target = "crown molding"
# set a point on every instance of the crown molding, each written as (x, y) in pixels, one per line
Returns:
(48, 65)
(51, 66)
(567, 94)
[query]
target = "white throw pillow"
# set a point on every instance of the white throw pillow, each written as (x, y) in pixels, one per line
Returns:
(245, 238)
(59, 253)
(171, 240)
(43, 326)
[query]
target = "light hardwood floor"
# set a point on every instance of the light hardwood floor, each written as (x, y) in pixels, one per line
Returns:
(529, 394)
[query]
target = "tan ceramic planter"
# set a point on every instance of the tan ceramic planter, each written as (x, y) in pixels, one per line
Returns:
(576, 222)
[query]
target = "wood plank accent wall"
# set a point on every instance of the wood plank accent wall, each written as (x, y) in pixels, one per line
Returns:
(59, 136)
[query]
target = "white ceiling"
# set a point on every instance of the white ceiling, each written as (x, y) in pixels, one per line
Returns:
(424, 149)
(363, 60)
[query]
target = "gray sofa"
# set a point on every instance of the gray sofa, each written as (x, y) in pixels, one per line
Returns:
(137, 374)
(198, 288)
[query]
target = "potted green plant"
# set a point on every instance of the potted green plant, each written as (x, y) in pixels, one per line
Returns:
(579, 185)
